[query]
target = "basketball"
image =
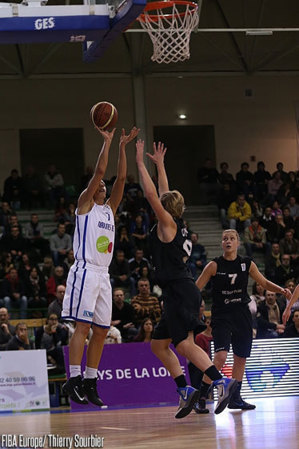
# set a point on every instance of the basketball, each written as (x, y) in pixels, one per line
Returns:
(104, 115)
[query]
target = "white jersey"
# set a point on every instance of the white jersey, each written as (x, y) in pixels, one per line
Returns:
(94, 236)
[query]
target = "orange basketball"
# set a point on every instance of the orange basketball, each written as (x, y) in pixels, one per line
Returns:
(104, 115)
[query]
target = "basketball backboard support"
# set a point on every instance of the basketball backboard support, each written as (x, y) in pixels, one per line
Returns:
(95, 25)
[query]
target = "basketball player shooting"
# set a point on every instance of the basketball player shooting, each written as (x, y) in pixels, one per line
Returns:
(181, 299)
(88, 298)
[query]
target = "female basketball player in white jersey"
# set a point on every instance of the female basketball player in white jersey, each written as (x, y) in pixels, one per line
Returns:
(170, 249)
(88, 299)
(231, 317)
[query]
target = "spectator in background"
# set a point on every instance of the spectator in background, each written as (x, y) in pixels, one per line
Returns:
(294, 207)
(245, 180)
(68, 261)
(283, 175)
(25, 267)
(273, 187)
(255, 238)
(56, 305)
(136, 264)
(145, 304)
(13, 293)
(289, 245)
(288, 219)
(124, 242)
(285, 271)
(58, 278)
(5, 212)
(261, 178)
(276, 229)
(292, 330)
(33, 189)
(47, 269)
(120, 273)
(290, 284)
(20, 340)
(258, 293)
(54, 185)
(7, 331)
(6, 263)
(13, 189)
(15, 244)
(146, 331)
(269, 317)
(266, 219)
(239, 213)
(60, 244)
(36, 292)
(132, 187)
(273, 261)
(198, 258)
(276, 210)
(225, 197)
(139, 234)
(123, 315)
(256, 209)
(52, 336)
(12, 221)
(208, 183)
(34, 232)
(224, 176)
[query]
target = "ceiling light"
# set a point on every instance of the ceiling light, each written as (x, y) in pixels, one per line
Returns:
(182, 116)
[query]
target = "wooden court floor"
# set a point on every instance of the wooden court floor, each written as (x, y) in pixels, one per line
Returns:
(273, 425)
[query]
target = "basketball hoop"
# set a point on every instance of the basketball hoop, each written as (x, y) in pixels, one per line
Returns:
(169, 24)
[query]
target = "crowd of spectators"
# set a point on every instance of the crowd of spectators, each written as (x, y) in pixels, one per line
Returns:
(33, 269)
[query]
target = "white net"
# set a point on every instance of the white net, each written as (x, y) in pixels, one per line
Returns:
(170, 33)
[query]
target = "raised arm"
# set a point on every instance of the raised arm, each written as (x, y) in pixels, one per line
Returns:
(85, 201)
(164, 218)
(287, 312)
(119, 184)
(158, 158)
(267, 285)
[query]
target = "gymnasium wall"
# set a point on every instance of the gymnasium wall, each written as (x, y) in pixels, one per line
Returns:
(262, 126)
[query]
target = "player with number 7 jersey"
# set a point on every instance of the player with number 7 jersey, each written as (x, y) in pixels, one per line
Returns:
(231, 317)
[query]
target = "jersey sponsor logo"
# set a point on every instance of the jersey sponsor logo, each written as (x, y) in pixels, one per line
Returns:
(104, 245)
(108, 226)
(221, 274)
(243, 266)
(232, 300)
(88, 314)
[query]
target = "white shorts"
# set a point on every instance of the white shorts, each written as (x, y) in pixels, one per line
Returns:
(88, 296)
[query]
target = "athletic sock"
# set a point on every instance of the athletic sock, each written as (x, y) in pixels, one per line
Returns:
(204, 390)
(75, 370)
(180, 381)
(90, 373)
(213, 373)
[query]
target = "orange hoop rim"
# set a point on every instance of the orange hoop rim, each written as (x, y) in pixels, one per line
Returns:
(160, 5)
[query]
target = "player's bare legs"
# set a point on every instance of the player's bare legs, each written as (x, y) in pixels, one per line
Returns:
(95, 347)
(162, 350)
(77, 341)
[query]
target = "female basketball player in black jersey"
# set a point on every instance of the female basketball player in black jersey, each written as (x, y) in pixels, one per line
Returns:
(170, 250)
(231, 318)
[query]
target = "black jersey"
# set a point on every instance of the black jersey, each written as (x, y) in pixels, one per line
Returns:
(169, 259)
(229, 285)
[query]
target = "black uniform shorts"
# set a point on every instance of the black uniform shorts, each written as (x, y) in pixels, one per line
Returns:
(233, 326)
(181, 303)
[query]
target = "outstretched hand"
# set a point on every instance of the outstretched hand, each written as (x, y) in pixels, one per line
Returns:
(107, 135)
(287, 293)
(158, 153)
(139, 151)
(125, 139)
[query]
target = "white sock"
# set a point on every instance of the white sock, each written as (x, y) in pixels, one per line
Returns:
(75, 370)
(90, 373)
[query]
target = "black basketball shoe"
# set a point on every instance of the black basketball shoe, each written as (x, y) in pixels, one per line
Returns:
(240, 404)
(200, 407)
(74, 389)
(90, 390)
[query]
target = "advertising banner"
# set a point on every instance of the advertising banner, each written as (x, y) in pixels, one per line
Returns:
(23, 380)
(131, 375)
